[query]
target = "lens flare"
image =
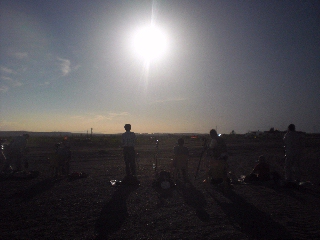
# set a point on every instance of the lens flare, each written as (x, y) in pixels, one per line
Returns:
(150, 43)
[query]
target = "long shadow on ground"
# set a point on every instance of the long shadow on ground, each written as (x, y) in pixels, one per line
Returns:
(292, 191)
(36, 189)
(195, 199)
(253, 222)
(114, 212)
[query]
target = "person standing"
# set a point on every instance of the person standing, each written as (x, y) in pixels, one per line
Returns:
(4, 163)
(64, 156)
(128, 143)
(218, 166)
(180, 161)
(17, 149)
(293, 144)
(217, 147)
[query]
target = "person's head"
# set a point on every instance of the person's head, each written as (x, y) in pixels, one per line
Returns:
(127, 127)
(261, 159)
(180, 141)
(26, 135)
(213, 133)
(65, 141)
(291, 127)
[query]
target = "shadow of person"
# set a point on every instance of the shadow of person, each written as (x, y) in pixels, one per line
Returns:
(163, 185)
(290, 192)
(312, 191)
(195, 199)
(114, 213)
(36, 189)
(253, 222)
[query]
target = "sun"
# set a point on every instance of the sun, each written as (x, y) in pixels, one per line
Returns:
(150, 43)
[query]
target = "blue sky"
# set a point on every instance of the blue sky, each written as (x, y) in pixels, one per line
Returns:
(231, 65)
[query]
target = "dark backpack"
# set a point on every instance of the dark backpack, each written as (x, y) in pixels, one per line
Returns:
(163, 180)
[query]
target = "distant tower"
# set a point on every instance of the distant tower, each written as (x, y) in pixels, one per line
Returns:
(91, 132)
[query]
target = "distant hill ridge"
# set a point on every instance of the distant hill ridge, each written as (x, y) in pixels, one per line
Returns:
(18, 133)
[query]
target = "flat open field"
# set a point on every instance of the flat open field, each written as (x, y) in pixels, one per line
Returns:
(90, 208)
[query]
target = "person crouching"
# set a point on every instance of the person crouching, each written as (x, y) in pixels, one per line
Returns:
(260, 172)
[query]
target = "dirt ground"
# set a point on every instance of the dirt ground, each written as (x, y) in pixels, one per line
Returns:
(91, 208)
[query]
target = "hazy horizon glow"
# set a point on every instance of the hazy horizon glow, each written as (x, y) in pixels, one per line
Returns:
(245, 66)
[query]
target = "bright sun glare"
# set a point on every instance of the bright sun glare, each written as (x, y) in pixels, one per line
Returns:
(150, 43)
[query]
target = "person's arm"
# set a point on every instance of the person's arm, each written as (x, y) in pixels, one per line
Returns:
(134, 139)
(123, 140)
(255, 170)
(25, 146)
(174, 161)
(187, 153)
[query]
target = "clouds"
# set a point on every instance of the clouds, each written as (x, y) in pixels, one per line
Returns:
(5, 70)
(8, 79)
(3, 89)
(11, 76)
(19, 67)
(65, 66)
(19, 55)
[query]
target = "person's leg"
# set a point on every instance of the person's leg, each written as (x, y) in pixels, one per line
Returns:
(208, 177)
(126, 161)
(6, 165)
(288, 169)
(186, 174)
(297, 169)
(226, 183)
(133, 162)
(17, 158)
(67, 167)
(3, 159)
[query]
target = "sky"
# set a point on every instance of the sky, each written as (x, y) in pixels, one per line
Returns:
(240, 65)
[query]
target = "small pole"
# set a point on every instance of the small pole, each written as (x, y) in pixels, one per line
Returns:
(155, 165)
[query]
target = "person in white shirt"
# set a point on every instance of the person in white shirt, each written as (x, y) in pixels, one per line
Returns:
(128, 143)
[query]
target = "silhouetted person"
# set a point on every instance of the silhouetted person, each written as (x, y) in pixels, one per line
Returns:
(293, 143)
(3, 159)
(260, 172)
(64, 155)
(128, 143)
(180, 161)
(218, 166)
(217, 147)
(15, 153)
